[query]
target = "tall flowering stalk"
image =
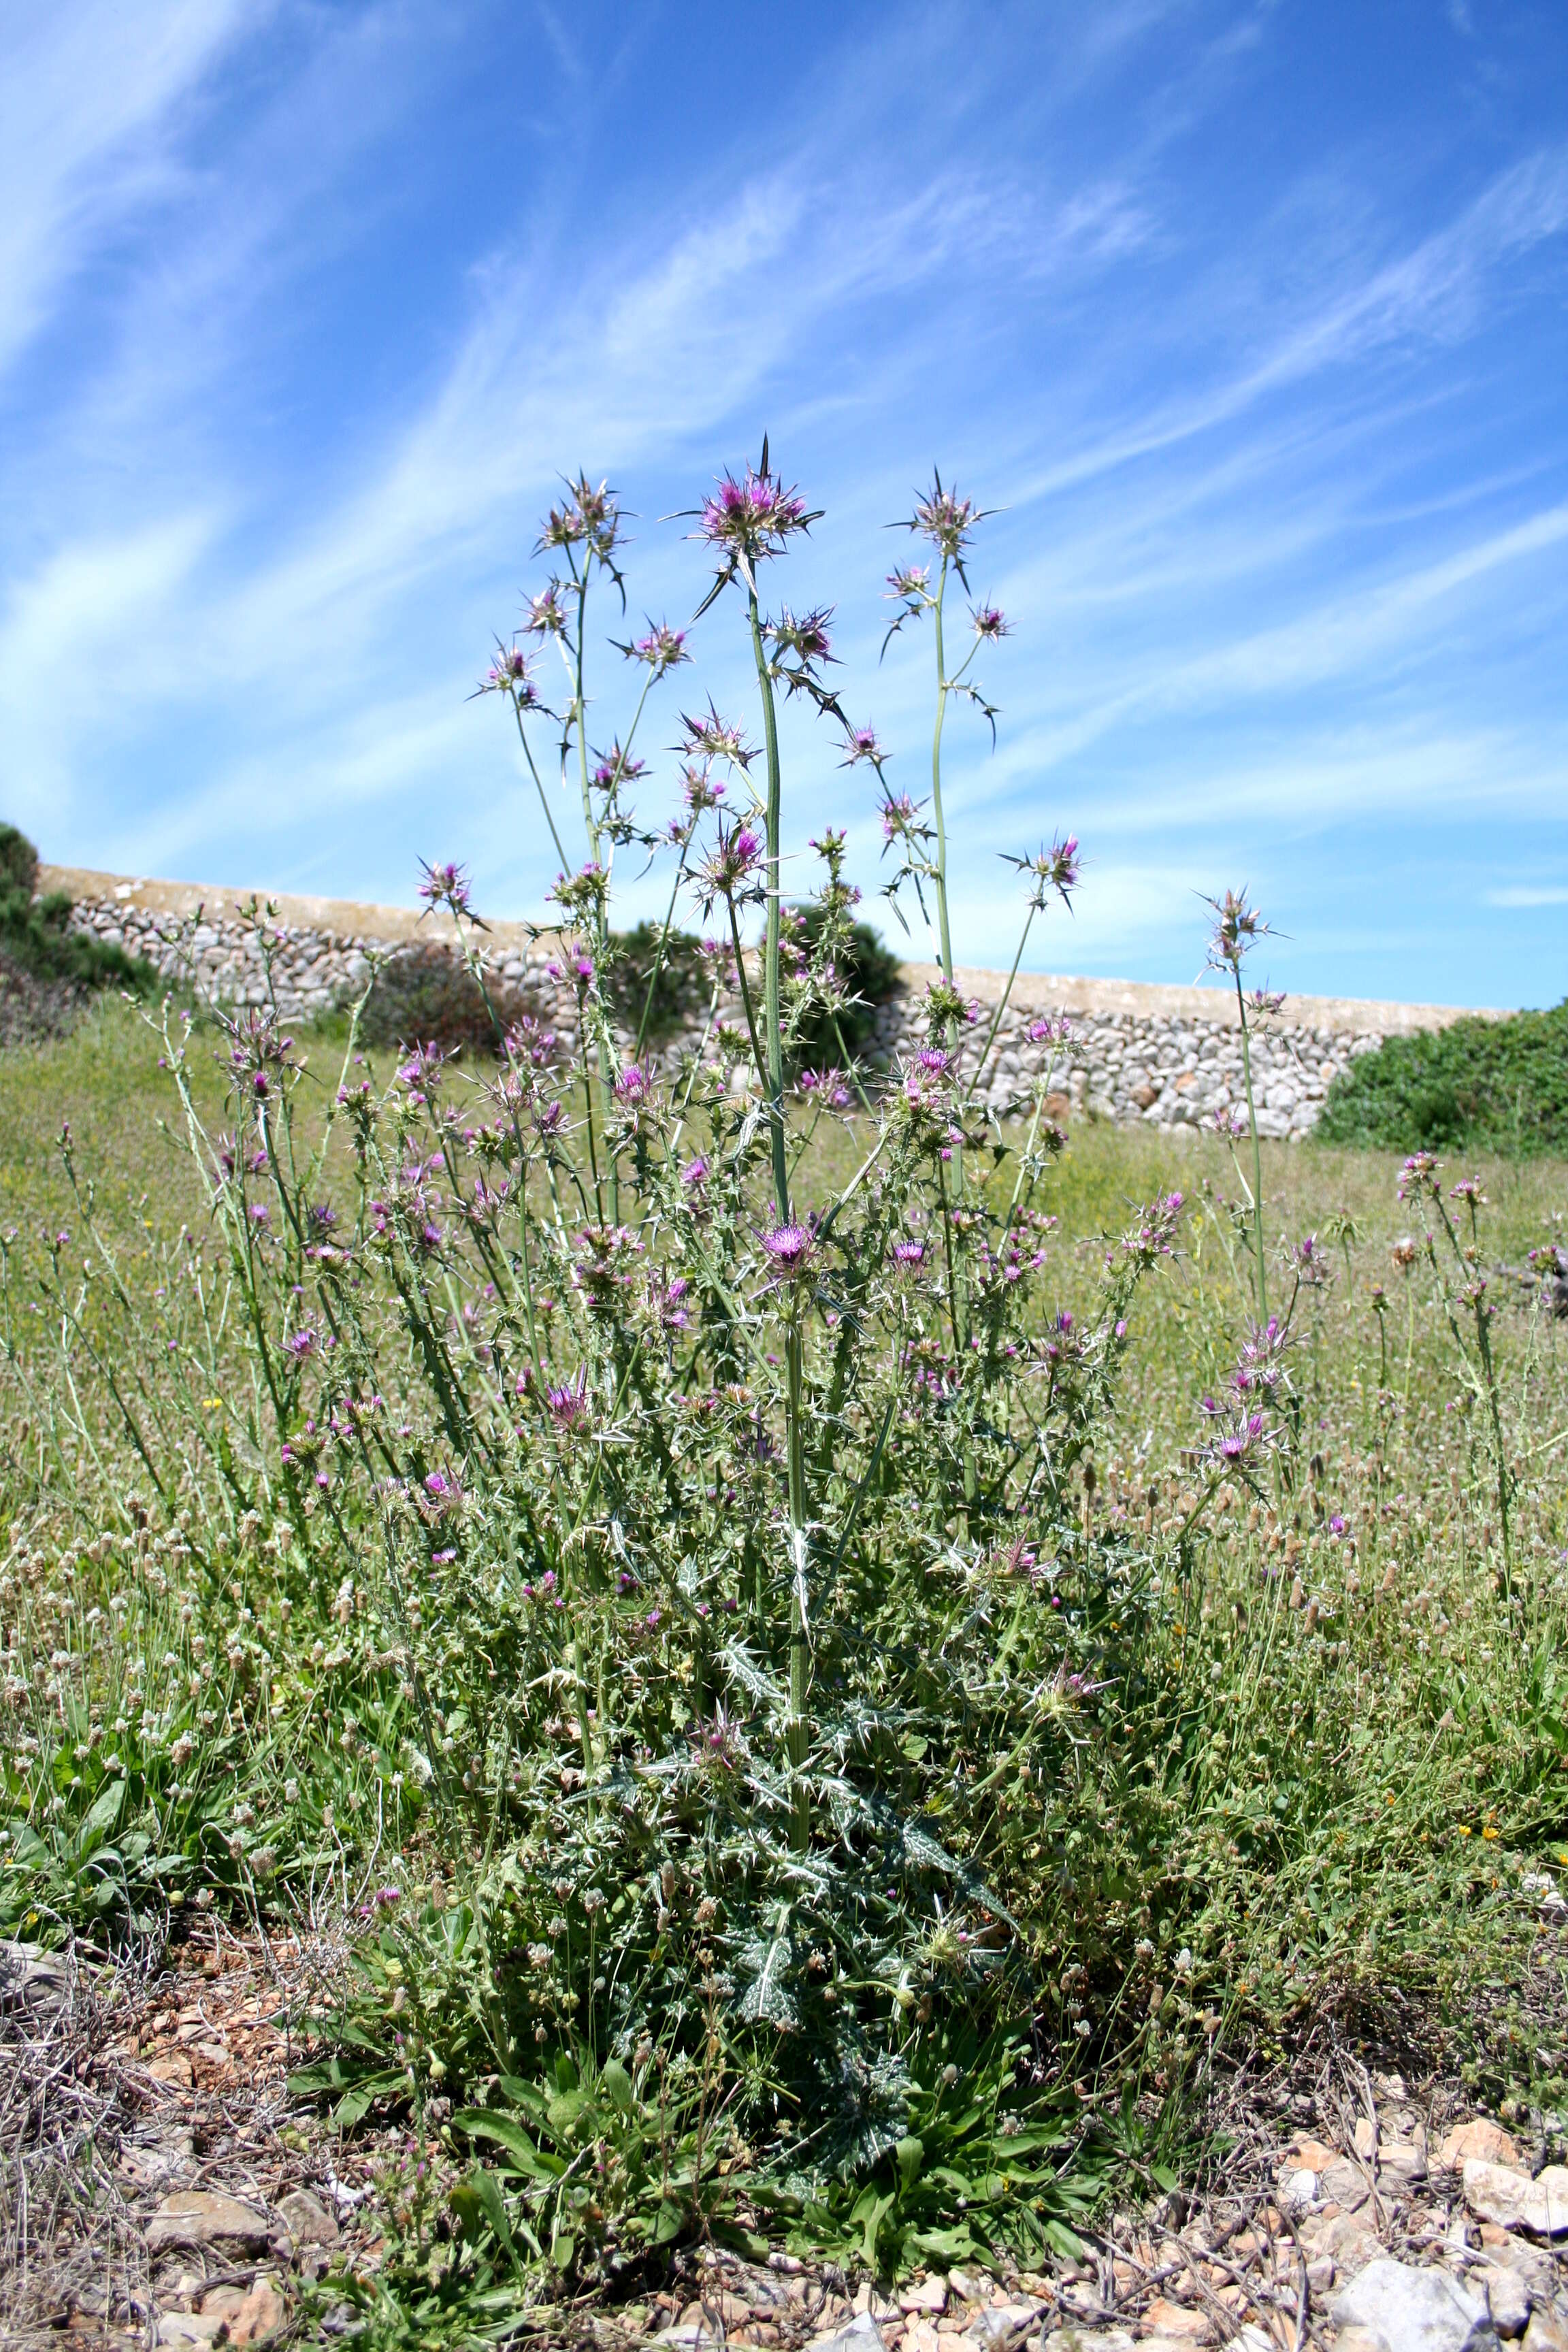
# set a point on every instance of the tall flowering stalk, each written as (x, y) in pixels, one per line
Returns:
(1463, 1289)
(1238, 928)
(748, 521)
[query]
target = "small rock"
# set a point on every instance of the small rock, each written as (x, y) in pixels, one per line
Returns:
(1074, 2337)
(1507, 2298)
(1363, 2139)
(188, 2326)
(1546, 2334)
(31, 1978)
(1321, 2275)
(1345, 2185)
(306, 2219)
(924, 2295)
(1165, 2318)
(1480, 2138)
(920, 2334)
(174, 2069)
(1533, 2264)
(1004, 2326)
(1310, 2156)
(1407, 2310)
(1400, 2163)
(246, 2318)
(1514, 2201)
(1298, 2192)
(860, 2334)
(197, 2216)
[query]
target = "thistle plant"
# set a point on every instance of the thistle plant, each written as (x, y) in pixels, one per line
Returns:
(1451, 1244)
(693, 1547)
(1238, 928)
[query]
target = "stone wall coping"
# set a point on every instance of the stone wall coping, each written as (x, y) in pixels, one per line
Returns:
(348, 918)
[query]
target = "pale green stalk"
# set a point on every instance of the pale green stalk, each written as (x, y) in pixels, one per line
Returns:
(799, 1726)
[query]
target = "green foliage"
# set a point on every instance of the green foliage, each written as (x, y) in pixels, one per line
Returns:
(36, 937)
(1477, 1086)
(425, 995)
(18, 863)
(672, 966)
(865, 975)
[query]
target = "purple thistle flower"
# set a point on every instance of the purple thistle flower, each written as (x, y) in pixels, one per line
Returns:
(989, 622)
(753, 517)
(1418, 1175)
(712, 738)
(863, 745)
(634, 1085)
(909, 1253)
(694, 1175)
(446, 885)
(728, 867)
(1238, 928)
(702, 791)
(807, 638)
(510, 674)
(546, 612)
(899, 813)
(615, 769)
(662, 648)
(789, 1247)
(568, 1403)
(945, 518)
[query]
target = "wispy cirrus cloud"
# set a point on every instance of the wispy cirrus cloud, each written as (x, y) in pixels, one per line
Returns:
(91, 100)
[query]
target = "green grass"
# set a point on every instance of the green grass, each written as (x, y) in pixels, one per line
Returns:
(1332, 1754)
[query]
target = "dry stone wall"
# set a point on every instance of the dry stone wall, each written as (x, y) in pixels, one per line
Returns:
(1165, 1057)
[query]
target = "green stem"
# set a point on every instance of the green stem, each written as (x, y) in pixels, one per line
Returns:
(773, 1034)
(1256, 1152)
(798, 1728)
(941, 684)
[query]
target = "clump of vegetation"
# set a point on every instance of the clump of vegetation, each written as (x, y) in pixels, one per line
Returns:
(424, 994)
(36, 937)
(658, 982)
(1477, 1086)
(864, 975)
(831, 1662)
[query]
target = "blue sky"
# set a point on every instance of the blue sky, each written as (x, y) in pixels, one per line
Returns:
(1252, 318)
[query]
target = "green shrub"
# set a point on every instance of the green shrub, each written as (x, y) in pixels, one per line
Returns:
(1479, 1085)
(427, 996)
(678, 978)
(36, 937)
(865, 974)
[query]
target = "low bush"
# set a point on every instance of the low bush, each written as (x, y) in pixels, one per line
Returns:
(658, 982)
(425, 995)
(38, 944)
(841, 1026)
(1477, 1086)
